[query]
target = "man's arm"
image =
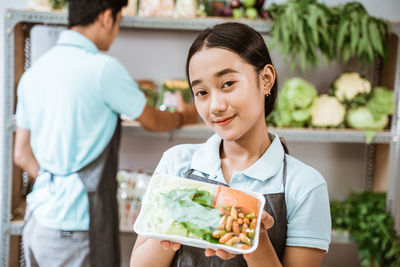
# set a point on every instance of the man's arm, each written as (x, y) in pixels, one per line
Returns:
(23, 155)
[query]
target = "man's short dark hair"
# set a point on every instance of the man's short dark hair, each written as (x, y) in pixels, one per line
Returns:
(85, 12)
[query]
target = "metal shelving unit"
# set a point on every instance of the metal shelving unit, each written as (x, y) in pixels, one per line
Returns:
(201, 131)
(17, 58)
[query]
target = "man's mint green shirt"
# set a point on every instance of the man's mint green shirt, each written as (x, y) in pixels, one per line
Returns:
(70, 100)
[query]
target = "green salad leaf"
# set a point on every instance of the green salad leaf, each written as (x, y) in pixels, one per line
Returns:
(193, 209)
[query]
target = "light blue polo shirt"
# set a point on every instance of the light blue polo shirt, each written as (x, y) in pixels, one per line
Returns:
(70, 100)
(306, 194)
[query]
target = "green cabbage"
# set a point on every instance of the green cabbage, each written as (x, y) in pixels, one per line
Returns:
(381, 102)
(294, 104)
(362, 118)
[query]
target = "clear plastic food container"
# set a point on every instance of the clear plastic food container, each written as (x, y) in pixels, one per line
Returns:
(200, 214)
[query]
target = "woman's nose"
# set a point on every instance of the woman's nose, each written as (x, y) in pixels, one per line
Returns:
(218, 103)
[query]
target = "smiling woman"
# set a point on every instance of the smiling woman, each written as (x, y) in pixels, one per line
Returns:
(234, 85)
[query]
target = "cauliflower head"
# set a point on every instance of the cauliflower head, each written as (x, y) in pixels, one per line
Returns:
(350, 84)
(327, 112)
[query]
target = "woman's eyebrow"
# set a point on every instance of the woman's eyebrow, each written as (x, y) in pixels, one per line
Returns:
(195, 82)
(218, 74)
(225, 71)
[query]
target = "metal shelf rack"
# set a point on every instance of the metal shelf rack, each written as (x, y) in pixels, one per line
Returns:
(201, 131)
(17, 34)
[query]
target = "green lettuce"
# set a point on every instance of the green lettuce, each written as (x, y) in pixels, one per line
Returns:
(192, 209)
(381, 102)
(294, 104)
(362, 118)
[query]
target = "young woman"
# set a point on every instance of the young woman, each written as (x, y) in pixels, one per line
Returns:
(234, 87)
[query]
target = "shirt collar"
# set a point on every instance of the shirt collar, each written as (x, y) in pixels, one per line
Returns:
(73, 38)
(207, 160)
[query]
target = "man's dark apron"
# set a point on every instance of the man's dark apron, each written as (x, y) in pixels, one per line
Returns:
(99, 179)
(275, 205)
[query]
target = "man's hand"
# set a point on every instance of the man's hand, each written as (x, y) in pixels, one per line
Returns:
(23, 155)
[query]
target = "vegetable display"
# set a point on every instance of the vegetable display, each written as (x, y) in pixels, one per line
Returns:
(351, 103)
(294, 104)
(328, 112)
(364, 215)
(359, 34)
(351, 89)
(300, 28)
(191, 211)
(304, 28)
(374, 115)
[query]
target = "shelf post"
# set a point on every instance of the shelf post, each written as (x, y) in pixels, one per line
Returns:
(391, 79)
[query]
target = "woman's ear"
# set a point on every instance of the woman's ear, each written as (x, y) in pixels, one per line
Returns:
(267, 78)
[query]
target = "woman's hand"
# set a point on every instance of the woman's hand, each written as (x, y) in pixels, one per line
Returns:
(266, 223)
(166, 245)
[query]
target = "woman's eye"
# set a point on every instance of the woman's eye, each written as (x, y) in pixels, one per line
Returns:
(228, 84)
(200, 93)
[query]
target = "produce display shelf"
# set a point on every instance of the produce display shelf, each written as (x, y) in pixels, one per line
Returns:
(336, 237)
(195, 24)
(201, 131)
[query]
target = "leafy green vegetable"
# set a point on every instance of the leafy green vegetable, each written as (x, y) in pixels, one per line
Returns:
(370, 226)
(208, 237)
(381, 102)
(301, 27)
(374, 115)
(193, 209)
(362, 118)
(177, 229)
(294, 105)
(359, 34)
(304, 28)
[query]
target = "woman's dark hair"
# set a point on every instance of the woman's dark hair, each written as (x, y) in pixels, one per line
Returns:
(85, 12)
(245, 42)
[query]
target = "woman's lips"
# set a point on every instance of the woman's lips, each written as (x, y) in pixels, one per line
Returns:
(225, 121)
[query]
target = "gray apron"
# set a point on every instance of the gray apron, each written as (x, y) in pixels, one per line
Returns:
(99, 179)
(275, 205)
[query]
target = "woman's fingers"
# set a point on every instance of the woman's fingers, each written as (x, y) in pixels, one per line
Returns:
(209, 252)
(175, 246)
(224, 255)
(267, 221)
(170, 245)
(220, 253)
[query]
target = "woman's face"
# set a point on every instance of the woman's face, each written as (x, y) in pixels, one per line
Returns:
(227, 92)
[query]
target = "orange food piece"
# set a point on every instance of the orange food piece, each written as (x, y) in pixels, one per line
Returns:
(230, 197)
